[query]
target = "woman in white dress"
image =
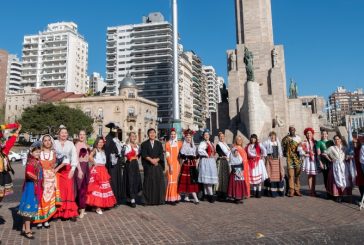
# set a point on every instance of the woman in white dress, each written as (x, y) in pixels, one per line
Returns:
(207, 166)
(310, 160)
(258, 173)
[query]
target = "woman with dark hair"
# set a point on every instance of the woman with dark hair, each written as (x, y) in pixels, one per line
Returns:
(188, 182)
(339, 181)
(99, 192)
(133, 182)
(223, 170)
(310, 161)
(32, 190)
(154, 187)
(258, 173)
(322, 146)
(207, 166)
(173, 147)
(50, 200)
(83, 158)
(274, 185)
(67, 159)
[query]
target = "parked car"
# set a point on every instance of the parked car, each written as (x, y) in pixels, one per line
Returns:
(13, 156)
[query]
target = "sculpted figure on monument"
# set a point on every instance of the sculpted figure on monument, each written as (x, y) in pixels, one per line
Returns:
(274, 57)
(293, 90)
(232, 61)
(248, 60)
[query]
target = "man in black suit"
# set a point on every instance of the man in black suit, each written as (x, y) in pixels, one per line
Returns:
(154, 188)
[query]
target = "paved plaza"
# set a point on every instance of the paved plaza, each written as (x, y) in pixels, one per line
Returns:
(299, 220)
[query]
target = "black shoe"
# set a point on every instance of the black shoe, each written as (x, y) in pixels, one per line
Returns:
(133, 205)
(28, 235)
(173, 203)
(238, 201)
(258, 194)
(40, 226)
(253, 194)
(74, 219)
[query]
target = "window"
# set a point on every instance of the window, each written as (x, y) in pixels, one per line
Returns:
(131, 111)
(88, 112)
(100, 130)
(100, 112)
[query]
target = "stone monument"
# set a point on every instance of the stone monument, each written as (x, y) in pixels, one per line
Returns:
(258, 101)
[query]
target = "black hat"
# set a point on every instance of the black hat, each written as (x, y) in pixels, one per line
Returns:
(112, 126)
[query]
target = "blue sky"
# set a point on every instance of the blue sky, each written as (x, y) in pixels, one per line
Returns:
(323, 39)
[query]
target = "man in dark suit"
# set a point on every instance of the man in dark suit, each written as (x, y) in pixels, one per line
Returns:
(113, 163)
(153, 163)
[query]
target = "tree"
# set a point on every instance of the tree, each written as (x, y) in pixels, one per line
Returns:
(46, 118)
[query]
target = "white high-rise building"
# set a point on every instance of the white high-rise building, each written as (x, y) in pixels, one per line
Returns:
(220, 82)
(185, 90)
(145, 51)
(56, 58)
(213, 88)
(96, 83)
(13, 79)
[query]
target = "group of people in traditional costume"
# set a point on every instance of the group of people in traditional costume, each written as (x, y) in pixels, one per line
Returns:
(63, 178)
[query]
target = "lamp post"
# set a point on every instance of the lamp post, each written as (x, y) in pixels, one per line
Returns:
(176, 111)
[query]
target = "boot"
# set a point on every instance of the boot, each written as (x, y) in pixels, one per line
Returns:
(291, 193)
(298, 193)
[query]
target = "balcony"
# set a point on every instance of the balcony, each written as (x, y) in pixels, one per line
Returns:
(131, 118)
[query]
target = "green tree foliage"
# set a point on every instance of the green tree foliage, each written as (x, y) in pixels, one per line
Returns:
(46, 118)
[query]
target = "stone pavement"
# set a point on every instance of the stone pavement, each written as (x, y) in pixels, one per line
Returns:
(298, 220)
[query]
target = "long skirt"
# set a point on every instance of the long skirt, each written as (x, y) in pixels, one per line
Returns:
(28, 206)
(68, 208)
(117, 173)
(172, 183)
(258, 174)
(186, 184)
(207, 171)
(223, 171)
(132, 179)
(82, 185)
(99, 192)
(275, 185)
(309, 166)
(236, 186)
(154, 187)
(6, 184)
(50, 198)
(333, 189)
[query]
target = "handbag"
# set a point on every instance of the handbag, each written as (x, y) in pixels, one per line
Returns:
(194, 175)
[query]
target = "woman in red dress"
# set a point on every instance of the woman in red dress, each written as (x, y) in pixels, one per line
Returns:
(188, 181)
(99, 192)
(238, 145)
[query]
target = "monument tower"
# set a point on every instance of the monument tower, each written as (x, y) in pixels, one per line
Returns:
(256, 72)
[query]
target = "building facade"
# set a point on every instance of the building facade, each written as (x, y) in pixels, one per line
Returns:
(56, 58)
(129, 111)
(145, 52)
(343, 102)
(28, 97)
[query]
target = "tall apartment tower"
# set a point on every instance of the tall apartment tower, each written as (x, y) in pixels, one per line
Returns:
(10, 75)
(186, 90)
(199, 89)
(145, 52)
(213, 88)
(56, 58)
